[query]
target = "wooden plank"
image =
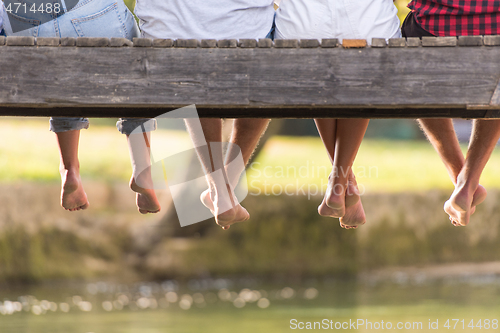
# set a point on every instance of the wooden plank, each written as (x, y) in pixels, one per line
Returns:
(354, 43)
(413, 42)
(286, 43)
(143, 42)
(308, 43)
(397, 42)
(253, 112)
(470, 40)
(187, 43)
(265, 43)
(491, 40)
(68, 41)
(91, 42)
(163, 43)
(439, 41)
(119, 42)
(208, 43)
(20, 41)
(247, 43)
(379, 42)
(227, 43)
(47, 41)
(374, 82)
(329, 42)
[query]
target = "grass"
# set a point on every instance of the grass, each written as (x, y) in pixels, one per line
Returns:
(30, 153)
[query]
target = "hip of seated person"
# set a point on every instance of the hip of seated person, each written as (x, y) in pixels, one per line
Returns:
(85, 18)
(205, 19)
(342, 19)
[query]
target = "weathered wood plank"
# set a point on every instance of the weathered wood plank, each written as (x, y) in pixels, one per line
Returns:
(47, 41)
(379, 42)
(250, 82)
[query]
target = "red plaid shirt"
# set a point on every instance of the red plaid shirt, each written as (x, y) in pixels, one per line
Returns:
(458, 17)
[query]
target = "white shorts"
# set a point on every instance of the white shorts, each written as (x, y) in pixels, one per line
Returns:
(350, 19)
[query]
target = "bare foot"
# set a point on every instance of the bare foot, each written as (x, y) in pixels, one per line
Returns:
(225, 219)
(73, 197)
(458, 206)
(146, 199)
(354, 213)
(333, 204)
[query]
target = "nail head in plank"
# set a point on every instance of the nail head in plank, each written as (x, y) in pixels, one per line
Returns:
(493, 40)
(413, 42)
(48, 41)
(92, 42)
(20, 41)
(354, 43)
(209, 43)
(68, 41)
(397, 42)
(286, 43)
(120, 42)
(439, 41)
(309, 43)
(2, 40)
(470, 41)
(379, 42)
(265, 43)
(227, 43)
(187, 43)
(329, 42)
(143, 42)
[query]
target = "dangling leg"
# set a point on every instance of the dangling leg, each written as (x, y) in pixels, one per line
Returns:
(484, 137)
(443, 138)
(73, 196)
(342, 138)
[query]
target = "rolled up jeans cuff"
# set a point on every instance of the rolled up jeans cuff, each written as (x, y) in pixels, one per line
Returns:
(129, 125)
(63, 124)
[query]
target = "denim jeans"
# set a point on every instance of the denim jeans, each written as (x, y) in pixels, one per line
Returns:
(88, 18)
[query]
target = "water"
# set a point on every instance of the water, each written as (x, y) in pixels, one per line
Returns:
(252, 306)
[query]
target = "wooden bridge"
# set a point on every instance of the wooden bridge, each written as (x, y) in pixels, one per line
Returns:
(100, 77)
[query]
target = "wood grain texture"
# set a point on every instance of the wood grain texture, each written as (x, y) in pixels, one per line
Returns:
(250, 82)
(309, 43)
(227, 43)
(20, 41)
(439, 41)
(163, 43)
(247, 43)
(68, 41)
(92, 42)
(354, 43)
(379, 42)
(470, 40)
(47, 41)
(329, 42)
(265, 43)
(286, 43)
(208, 43)
(397, 42)
(120, 42)
(187, 43)
(491, 40)
(142, 42)
(413, 42)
